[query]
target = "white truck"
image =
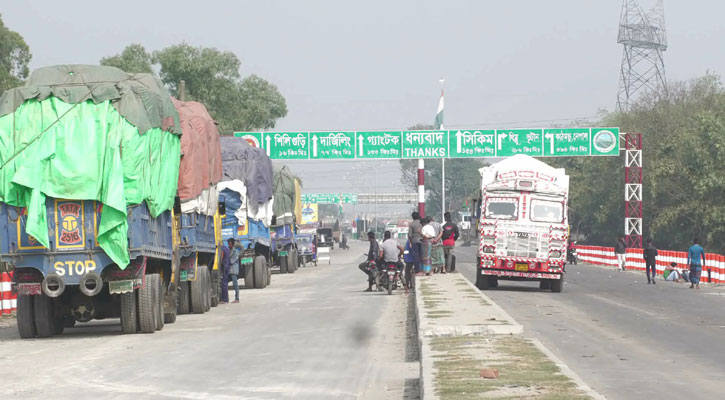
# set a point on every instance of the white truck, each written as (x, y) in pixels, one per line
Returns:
(524, 224)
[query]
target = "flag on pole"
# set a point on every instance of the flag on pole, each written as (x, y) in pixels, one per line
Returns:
(439, 116)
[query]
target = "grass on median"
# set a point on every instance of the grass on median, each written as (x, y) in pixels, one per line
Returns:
(524, 371)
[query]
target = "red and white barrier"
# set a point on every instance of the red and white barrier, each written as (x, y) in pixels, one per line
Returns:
(8, 301)
(713, 271)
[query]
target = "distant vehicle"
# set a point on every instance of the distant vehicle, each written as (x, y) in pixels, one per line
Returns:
(325, 238)
(524, 224)
(307, 246)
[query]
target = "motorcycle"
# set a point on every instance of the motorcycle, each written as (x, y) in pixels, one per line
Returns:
(390, 277)
(571, 256)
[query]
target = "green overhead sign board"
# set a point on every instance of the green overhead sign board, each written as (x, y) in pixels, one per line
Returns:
(329, 198)
(436, 144)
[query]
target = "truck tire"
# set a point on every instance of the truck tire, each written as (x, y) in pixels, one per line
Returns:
(557, 285)
(207, 289)
(43, 313)
(146, 305)
(283, 264)
(197, 292)
(482, 281)
(161, 315)
(183, 298)
(545, 284)
(291, 261)
(129, 316)
(25, 316)
(268, 271)
(249, 276)
(262, 262)
(259, 274)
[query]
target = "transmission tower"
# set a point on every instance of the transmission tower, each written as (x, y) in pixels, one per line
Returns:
(644, 38)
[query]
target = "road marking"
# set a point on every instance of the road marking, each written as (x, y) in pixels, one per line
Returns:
(616, 303)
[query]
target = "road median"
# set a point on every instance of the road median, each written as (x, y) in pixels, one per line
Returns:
(463, 336)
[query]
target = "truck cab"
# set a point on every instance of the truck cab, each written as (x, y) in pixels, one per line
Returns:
(523, 223)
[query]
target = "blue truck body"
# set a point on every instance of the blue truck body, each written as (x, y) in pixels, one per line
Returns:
(253, 236)
(72, 227)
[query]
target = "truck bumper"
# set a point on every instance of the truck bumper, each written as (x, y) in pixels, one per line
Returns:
(519, 274)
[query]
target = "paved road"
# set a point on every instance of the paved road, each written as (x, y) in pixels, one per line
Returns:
(625, 338)
(311, 335)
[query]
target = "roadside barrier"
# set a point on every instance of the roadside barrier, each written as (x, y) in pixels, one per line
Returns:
(8, 300)
(713, 271)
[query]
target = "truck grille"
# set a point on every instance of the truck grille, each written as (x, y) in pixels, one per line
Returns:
(528, 247)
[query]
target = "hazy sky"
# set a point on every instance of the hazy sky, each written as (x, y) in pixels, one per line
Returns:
(372, 64)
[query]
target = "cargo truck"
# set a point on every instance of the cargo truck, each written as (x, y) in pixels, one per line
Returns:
(523, 223)
(287, 214)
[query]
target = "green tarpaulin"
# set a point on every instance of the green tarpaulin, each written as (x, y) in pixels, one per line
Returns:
(112, 144)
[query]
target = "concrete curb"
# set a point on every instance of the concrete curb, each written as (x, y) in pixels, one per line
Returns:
(509, 328)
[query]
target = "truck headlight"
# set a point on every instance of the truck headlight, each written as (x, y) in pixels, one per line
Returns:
(488, 263)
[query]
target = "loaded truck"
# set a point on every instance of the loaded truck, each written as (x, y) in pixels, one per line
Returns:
(90, 216)
(287, 214)
(246, 200)
(198, 221)
(523, 223)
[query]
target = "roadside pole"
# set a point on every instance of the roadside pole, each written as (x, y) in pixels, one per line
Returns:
(421, 188)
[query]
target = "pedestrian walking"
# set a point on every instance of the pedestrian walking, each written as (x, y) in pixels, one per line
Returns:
(650, 260)
(695, 259)
(225, 275)
(234, 266)
(621, 250)
(449, 235)
(415, 237)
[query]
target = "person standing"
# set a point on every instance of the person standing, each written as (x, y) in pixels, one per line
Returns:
(650, 260)
(449, 235)
(621, 250)
(415, 237)
(234, 267)
(428, 235)
(695, 254)
(409, 258)
(225, 275)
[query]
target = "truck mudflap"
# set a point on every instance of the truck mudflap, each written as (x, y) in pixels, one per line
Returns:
(520, 274)
(125, 281)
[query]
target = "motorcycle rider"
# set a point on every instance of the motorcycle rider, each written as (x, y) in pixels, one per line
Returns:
(392, 250)
(373, 255)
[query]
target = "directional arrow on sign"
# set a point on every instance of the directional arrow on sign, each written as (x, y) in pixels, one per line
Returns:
(360, 139)
(550, 136)
(269, 145)
(314, 145)
(459, 135)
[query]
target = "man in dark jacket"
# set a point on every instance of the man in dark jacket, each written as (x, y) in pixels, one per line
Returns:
(449, 236)
(650, 259)
(620, 249)
(225, 275)
(373, 255)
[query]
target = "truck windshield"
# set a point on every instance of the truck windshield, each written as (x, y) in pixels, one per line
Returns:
(546, 211)
(502, 208)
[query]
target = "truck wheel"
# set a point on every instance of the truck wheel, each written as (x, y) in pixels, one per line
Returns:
(493, 281)
(482, 281)
(43, 313)
(207, 289)
(249, 275)
(557, 285)
(259, 274)
(215, 288)
(260, 263)
(545, 284)
(268, 271)
(129, 316)
(161, 317)
(183, 307)
(197, 292)
(283, 264)
(147, 306)
(292, 262)
(25, 318)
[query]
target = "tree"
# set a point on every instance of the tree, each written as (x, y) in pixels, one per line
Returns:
(14, 58)
(683, 134)
(462, 180)
(211, 77)
(133, 58)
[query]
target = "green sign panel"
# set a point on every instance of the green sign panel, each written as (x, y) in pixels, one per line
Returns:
(332, 145)
(379, 145)
(329, 198)
(425, 144)
(436, 144)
